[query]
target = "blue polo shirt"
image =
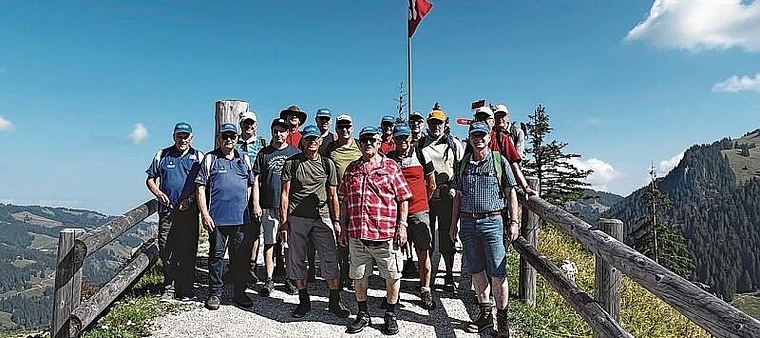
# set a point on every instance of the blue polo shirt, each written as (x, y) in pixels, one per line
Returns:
(175, 173)
(226, 182)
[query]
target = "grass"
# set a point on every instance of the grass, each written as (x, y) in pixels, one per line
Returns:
(131, 316)
(5, 322)
(642, 314)
(40, 242)
(748, 303)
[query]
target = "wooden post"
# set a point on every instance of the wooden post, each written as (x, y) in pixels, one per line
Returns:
(68, 282)
(607, 277)
(529, 230)
(228, 111)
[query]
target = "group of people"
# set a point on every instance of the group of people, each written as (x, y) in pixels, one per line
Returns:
(375, 199)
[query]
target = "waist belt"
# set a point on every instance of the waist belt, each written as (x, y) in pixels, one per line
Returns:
(372, 243)
(478, 215)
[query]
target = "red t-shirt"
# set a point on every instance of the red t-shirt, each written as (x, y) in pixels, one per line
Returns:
(415, 168)
(502, 143)
(387, 146)
(294, 139)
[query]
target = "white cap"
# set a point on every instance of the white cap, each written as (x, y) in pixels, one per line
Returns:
(248, 115)
(483, 110)
(501, 108)
(344, 117)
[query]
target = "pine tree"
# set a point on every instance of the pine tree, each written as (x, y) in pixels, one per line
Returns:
(655, 239)
(559, 180)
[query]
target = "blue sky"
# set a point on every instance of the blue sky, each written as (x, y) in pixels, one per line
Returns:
(626, 83)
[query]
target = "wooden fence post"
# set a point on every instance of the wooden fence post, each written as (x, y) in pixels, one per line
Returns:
(68, 282)
(529, 230)
(227, 111)
(607, 277)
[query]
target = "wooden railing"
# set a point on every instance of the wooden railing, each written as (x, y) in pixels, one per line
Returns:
(74, 245)
(613, 258)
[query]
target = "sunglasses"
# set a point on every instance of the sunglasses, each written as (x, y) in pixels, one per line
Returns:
(228, 136)
(310, 139)
(401, 138)
(367, 140)
(478, 135)
(343, 126)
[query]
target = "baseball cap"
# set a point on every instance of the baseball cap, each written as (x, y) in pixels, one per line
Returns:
(416, 114)
(478, 127)
(344, 118)
(310, 131)
(228, 127)
(280, 122)
(401, 129)
(437, 115)
(324, 112)
(388, 119)
(368, 130)
(183, 127)
(248, 115)
(500, 108)
(484, 110)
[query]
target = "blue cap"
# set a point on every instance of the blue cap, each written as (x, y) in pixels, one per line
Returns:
(228, 127)
(401, 129)
(388, 118)
(310, 131)
(368, 130)
(478, 127)
(324, 112)
(183, 127)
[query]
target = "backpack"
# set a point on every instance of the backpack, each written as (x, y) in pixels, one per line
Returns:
(451, 143)
(497, 166)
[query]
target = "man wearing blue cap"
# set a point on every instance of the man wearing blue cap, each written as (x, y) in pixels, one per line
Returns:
(386, 134)
(170, 179)
(224, 189)
(324, 121)
(309, 211)
(485, 185)
(419, 172)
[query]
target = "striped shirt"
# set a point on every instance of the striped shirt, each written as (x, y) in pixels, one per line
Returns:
(373, 197)
(479, 188)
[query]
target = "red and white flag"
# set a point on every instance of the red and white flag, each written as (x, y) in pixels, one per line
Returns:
(417, 10)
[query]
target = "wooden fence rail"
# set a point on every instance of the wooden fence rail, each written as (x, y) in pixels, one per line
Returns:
(74, 245)
(702, 308)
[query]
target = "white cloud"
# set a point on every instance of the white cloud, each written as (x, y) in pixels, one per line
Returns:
(664, 167)
(139, 133)
(701, 24)
(737, 84)
(5, 124)
(603, 174)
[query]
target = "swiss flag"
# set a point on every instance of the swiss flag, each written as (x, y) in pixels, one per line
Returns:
(417, 10)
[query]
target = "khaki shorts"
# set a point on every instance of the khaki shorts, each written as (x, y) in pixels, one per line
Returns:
(390, 260)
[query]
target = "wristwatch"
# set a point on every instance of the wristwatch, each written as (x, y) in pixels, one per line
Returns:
(403, 224)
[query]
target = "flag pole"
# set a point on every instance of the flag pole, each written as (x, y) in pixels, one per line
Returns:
(409, 76)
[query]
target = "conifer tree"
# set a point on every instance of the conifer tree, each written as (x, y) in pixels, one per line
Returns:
(559, 180)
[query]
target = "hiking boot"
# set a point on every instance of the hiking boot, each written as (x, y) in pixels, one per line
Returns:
(290, 288)
(410, 270)
(267, 288)
(426, 298)
(484, 321)
(242, 300)
(302, 309)
(167, 296)
(213, 302)
(390, 327)
(502, 323)
(338, 309)
(362, 320)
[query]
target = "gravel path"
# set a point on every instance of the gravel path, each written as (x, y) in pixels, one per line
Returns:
(270, 317)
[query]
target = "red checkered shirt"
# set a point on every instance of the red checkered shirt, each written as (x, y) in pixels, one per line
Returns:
(372, 197)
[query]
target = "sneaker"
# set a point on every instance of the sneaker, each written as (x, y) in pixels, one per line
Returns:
(502, 324)
(213, 302)
(426, 297)
(242, 300)
(410, 270)
(362, 320)
(484, 321)
(391, 327)
(167, 296)
(266, 290)
(301, 310)
(338, 309)
(290, 288)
